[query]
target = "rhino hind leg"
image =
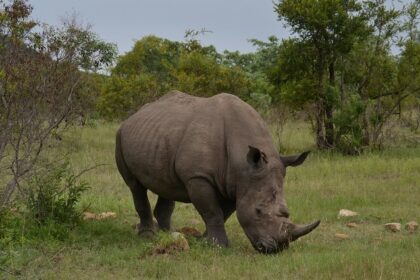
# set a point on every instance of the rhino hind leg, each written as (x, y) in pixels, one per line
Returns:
(163, 212)
(204, 198)
(146, 228)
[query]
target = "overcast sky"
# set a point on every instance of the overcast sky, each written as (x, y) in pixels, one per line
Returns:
(232, 22)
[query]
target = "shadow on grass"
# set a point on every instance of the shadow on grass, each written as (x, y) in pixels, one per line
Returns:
(106, 233)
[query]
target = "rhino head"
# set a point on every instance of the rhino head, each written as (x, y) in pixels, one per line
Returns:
(261, 208)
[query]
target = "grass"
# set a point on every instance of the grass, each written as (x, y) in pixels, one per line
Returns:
(382, 186)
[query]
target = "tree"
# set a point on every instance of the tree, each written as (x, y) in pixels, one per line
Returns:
(41, 77)
(381, 81)
(139, 76)
(155, 66)
(330, 27)
(341, 63)
(200, 74)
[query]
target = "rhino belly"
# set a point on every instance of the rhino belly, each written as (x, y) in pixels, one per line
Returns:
(164, 188)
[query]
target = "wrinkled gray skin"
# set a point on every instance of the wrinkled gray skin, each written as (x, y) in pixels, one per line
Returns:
(217, 154)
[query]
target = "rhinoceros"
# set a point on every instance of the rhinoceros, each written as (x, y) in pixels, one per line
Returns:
(216, 153)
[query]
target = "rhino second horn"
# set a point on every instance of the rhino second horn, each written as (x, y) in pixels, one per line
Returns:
(300, 231)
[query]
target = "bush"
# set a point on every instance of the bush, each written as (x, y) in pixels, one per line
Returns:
(48, 211)
(53, 196)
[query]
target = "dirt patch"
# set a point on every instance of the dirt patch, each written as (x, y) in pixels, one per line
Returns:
(189, 231)
(352, 225)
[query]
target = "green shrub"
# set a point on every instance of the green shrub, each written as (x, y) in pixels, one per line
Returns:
(53, 197)
(48, 211)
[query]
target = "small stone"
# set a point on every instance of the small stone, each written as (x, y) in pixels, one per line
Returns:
(106, 215)
(394, 227)
(411, 226)
(352, 225)
(341, 236)
(347, 213)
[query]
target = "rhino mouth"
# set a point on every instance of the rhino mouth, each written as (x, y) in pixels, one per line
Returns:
(268, 245)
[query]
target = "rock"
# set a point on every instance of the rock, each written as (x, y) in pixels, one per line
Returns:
(347, 213)
(104, 215)
(341, 236)
(394, 227)
(411, 226)
(180, 241)
(195, 222)
(352, 225)
(177, 244)
(176, 235)
(89, 216)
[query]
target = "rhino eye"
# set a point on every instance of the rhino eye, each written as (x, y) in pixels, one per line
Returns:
(258, 211)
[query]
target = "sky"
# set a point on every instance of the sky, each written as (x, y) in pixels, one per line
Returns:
(231, 22)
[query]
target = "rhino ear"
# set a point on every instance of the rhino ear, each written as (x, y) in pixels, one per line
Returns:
(255, 157)
(294, 160)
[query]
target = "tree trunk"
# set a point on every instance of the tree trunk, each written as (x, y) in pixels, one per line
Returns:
(320, 106)
(319, 126)
(329, 126)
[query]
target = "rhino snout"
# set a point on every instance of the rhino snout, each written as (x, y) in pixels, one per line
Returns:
(287, 233)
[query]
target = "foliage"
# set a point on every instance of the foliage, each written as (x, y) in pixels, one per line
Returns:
(201, 75)
(48, 211)
(53, 196)
(155, 66)
(43, 72)
(341, 64)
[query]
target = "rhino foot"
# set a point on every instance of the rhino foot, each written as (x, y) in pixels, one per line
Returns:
(147, 231)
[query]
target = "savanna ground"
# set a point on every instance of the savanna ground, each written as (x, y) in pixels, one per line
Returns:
(382, 186)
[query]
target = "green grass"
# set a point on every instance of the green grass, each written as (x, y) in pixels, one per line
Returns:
(382, 186)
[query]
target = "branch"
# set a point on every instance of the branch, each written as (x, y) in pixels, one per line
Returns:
(395, 93)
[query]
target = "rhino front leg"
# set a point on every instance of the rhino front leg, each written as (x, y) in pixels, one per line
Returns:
(204, 199)
(228, 208)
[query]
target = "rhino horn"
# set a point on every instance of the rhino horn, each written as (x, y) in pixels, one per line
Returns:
(299, 231)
